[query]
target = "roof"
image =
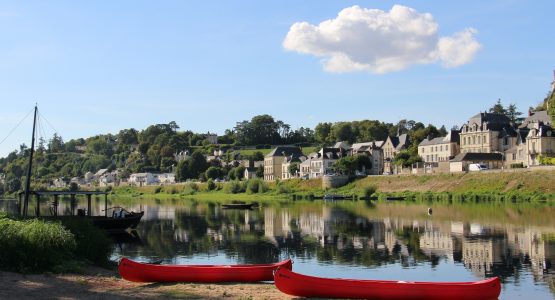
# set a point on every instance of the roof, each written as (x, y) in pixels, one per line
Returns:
(402, 141)
(451, 137)
(494, 121)
(472, 156)
(542, 131)
(536, 117)
(285, 151)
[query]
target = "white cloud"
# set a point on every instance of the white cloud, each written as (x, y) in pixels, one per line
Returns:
(361, 39)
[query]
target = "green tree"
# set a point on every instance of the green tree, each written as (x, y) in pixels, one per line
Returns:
(294, 168)
(551, 107)
(513, 114)
(343, 131)
(213, 173)
(498, 108)
(239, 172)
(322, 132)
(260, 171)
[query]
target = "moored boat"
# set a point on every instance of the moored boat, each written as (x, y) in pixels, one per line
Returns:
(239, 205)
(295, 284)
(141, 272)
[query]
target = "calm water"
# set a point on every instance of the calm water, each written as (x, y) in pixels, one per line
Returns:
(397, 241)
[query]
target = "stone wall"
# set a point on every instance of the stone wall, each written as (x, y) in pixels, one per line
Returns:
(334, 181)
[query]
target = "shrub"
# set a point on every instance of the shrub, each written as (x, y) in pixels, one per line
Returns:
(34, 245)
(158, 189)
(517, 166)
(233, 187)
(282, 189)
(254, 186)
(210, 185)
(368, 191)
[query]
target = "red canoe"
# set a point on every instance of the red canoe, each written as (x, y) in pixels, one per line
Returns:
(308, 286)
(140, 272)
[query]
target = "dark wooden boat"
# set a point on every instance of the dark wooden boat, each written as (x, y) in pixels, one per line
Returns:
(115, 224)
(239, 205)
(299, 285)
(141, 272)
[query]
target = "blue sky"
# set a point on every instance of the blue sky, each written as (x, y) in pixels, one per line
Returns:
(100, 66)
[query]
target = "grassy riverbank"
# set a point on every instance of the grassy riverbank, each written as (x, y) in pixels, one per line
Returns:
(506, 186)
(34, 245)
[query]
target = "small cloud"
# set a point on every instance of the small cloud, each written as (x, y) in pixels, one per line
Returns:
(372, 40)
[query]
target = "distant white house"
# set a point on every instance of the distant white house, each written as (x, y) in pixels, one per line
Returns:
(165, 178)
(141, 179)
(59, 183)
(183, 155)
(89, 176)
(100, 173)
(107, 178)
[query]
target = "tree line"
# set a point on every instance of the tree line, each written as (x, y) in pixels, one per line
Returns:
(154, 148)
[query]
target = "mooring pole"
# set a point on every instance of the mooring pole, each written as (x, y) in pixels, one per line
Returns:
(28, 179)
(89, 196)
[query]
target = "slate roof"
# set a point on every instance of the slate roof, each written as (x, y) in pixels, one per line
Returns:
(285, 151)
(471, 156)
(494, 121)
(451, 137)
(536, 117)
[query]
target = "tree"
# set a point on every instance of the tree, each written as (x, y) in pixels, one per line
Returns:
(513, 114)
(260, 171)
(551, 107)
(294, 168)
(322, 132)
(56, 144)
(239, 172)
(498, 108)
(443, 131)
(343, 131)
(213, 173)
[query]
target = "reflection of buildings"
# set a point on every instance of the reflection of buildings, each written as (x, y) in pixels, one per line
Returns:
(437, 243)
(479, 255)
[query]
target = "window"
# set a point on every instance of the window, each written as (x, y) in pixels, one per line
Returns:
(474, 140)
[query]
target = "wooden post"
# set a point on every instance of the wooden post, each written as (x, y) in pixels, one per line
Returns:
(19, 208)
(89, 196)
(56, 203)
(106, 204)
(37, 196)
(72, 204)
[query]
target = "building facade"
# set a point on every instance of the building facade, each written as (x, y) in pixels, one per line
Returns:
(440, 149)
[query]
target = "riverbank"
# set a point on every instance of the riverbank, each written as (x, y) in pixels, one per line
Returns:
(515, 183)
(98, 283)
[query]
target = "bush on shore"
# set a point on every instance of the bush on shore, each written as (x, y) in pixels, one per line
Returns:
(38, 245)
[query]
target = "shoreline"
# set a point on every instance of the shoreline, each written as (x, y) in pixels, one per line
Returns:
(100, 283)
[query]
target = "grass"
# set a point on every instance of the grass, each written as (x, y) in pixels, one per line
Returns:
(470, 187)
(35, 245)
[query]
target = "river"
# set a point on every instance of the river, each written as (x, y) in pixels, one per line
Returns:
(356, 239)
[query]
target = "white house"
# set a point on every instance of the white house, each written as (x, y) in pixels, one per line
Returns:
(141, 179)
(166, 178)
(324, 161)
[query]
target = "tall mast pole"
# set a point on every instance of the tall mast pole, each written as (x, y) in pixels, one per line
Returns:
(28, 179)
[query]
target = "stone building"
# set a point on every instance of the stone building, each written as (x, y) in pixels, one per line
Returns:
(273, 161)
(440, 149)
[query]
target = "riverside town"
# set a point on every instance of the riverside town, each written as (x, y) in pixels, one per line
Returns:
(213, 150)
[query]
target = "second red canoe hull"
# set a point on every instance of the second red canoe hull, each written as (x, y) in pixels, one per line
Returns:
(140, 272)
(308, 286)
